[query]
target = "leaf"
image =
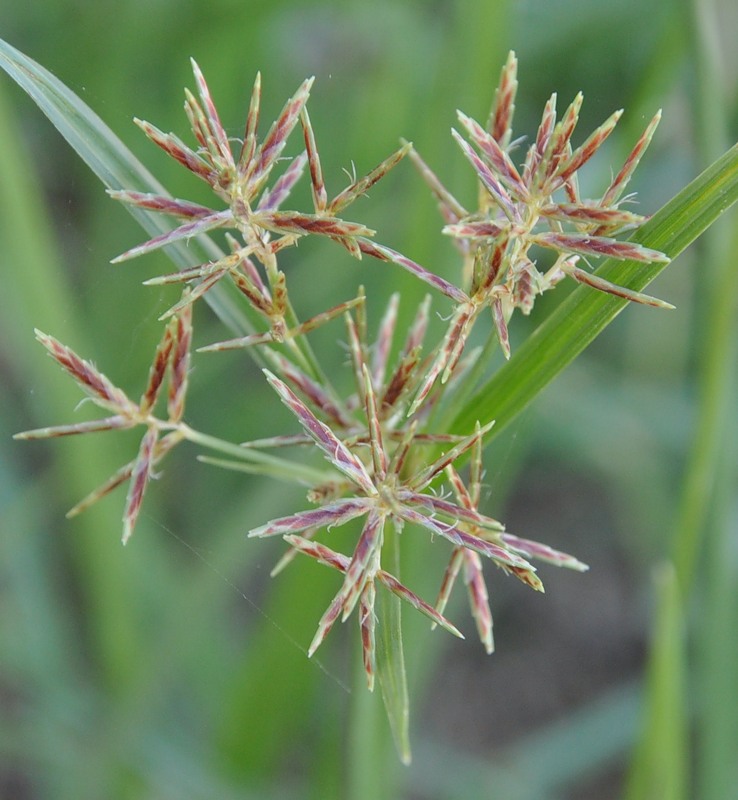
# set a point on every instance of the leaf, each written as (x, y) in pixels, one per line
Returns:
(585, 313)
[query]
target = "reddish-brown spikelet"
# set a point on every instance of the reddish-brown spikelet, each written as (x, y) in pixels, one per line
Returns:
(498, 317)
(321, 553)
(437, 507)
(503, 108)
(356, 331)
(272, 146)
(383, 344)
(178, 150)
(180, 364)
(416, 334)
(416, 602)
(113, 482)
(326, 316)
(248, 148)
(488, 179)
(571, 187)
(456, 341)
(326, 623)
(543, 552)
(451, 210)
(449, 578)
(314, 392)
(273, 198)
(166, 205)
(295, 222)
(559, 142)
(328, 557)
(462, 538)
(401, 382)
(158, 370)
(473, 574)
(397, 462)
(92, 426)
(525, 576)
(249, 269)
(583, 153)
(495, 263)
(545, 130)
(332, 514)
(379, 454)
(359, 571)
(317, 185)
(215, 128)
(426, 476)
(139, 479)
(260, 302)
(598, 246)
(189, 297)
(333, 448)
(161, 448)
(582, 276)
(197, 120)
(95, 384)
(361, 186)
(181, 276)
(475, 229)
(479, 599)
(447, 356)
(620, 181)
(384, 253)
(187, 231)
(497, 157)
(590, 214)
(279, 305)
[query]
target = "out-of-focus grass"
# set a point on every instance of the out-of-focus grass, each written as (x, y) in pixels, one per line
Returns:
(175, 668)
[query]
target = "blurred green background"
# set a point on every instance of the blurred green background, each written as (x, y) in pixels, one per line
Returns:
(175, 668)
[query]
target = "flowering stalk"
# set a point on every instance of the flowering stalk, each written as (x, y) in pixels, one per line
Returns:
(379, 440)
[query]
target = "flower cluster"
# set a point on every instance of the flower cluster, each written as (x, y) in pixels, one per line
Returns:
(519, 211)
(171, 361)
(383, 480)
(253, 208)
(386, 461)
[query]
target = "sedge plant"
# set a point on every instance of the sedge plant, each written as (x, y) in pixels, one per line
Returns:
(389, 453)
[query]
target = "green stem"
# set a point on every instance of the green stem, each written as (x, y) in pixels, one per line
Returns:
(273, 465)
(365, 749)
(717, 337)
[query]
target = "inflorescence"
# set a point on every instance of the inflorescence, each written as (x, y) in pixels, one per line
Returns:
(383, 456)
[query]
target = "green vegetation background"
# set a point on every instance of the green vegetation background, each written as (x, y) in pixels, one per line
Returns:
(175, 668)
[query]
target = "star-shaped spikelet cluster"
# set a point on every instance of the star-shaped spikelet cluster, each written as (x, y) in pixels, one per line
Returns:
(522, 212)
(258, 228)
(171, 363)
(384, 482)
